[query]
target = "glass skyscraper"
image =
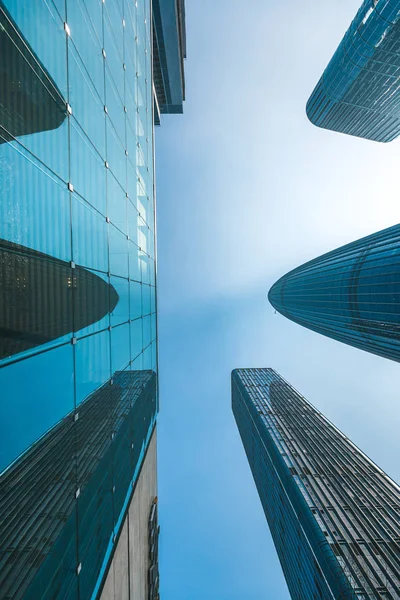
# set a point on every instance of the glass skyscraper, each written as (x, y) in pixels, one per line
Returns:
(79, 96)
(351, 294)
(334, 515)
(359, 91)
(169, 51)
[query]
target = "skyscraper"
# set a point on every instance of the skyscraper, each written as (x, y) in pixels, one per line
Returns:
(169, 52)
(334, 515)
(359, 91)
(82, 83)
(351, 294)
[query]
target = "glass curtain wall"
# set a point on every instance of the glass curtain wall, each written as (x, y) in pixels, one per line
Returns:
(77, 282)
(358, 93)
(333, 514)
(351, 294)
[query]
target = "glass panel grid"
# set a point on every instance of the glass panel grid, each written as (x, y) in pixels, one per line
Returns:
(333, 514)
(358, 93)
(351, 294)
(78, 345)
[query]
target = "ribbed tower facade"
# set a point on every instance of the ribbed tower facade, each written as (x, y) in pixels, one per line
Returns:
(334, 515)
(359, 91)
(351, 294)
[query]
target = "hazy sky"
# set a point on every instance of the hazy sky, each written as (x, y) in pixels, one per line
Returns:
(248, 189)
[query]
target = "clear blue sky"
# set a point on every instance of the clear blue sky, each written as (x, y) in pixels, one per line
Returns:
(248, 189)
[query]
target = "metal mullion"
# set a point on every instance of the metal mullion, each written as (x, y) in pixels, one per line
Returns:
(330, 276)
(318, 486)
(341, 264)
(251, 420)
(354, 482)
(353, 573)
(320, 494)
(372, 525)
(352, 249)
(357, 458)
(361, 463)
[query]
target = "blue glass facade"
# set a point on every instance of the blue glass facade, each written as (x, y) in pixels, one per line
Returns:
(41, 507)
(78, 333)
(334, 515)
(351, 294)
(359, 92)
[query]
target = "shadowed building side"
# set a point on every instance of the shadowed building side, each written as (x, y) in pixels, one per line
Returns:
(79, 472)
(43, 298)
(351, 294)
(169, 52)
(333, 514)
(359, 91)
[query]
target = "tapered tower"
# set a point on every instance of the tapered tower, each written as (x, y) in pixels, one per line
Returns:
(351, 294)
(334, 515)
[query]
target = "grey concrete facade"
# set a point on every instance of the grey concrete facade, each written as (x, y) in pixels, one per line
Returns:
(127, 575)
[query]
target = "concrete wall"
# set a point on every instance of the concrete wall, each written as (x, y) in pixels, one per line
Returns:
(127, 575)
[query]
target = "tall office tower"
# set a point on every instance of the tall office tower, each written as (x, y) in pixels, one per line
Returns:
(334, 515)
(359, 91)
(351, 294)
(81, 84)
